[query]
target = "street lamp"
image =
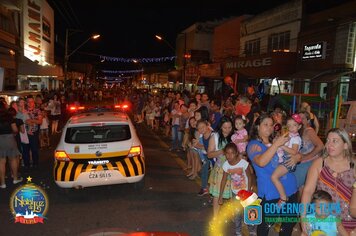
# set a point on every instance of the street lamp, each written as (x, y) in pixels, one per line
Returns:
(66, 55)
(166, 42)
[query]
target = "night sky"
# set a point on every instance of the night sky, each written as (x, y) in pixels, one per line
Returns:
(127, 28)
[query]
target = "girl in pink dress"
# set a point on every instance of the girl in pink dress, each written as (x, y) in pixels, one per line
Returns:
(240, 137)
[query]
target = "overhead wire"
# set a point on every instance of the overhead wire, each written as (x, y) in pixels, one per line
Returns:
(75, 15)
(69, 15)
(60, 12)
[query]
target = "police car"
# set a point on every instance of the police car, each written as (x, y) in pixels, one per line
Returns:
(98, 148)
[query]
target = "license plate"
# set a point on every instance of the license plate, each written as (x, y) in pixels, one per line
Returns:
(100, 175)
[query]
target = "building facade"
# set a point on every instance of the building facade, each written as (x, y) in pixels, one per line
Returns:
(194, 46)
(226, 41)
(326, 53)
(9, 49)
(268, 46)
(290, 50)
(27, 46)
(37, 69)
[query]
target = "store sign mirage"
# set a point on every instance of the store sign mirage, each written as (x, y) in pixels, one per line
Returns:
(314, 51)
(267, 61)
(33, 40)
(38, 31)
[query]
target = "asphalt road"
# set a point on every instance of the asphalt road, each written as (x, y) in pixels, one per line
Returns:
(168, 201)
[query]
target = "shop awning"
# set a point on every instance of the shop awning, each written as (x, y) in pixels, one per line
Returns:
(30, 68)
(327, 78)
(317, 76)
(302, 75)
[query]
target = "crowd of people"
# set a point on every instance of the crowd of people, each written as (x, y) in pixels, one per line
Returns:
(236, 144)
(232, 143)
(26, 126)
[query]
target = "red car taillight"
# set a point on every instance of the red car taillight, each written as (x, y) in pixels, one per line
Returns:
(124, 107)
(76, 108)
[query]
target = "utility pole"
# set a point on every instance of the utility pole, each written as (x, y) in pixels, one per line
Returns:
(185, 59)
(65, 61)
(66, 55)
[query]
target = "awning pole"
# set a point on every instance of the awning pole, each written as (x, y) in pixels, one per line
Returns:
(335, 110)
(294, 103)
(338, 109)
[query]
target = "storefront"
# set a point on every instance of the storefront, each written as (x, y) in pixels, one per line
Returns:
(32, 76)
(188, 77)
(175, 78)
(324, 83)
(191, 78)
(268, 70)
(210, 79)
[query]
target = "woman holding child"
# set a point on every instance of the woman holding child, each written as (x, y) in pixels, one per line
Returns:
(334, 173)
(263, 154)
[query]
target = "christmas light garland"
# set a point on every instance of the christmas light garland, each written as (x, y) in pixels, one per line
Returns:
(137, 60)
(122, 71)
(115, 78)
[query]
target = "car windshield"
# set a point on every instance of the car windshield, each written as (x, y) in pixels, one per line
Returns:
(97, 134)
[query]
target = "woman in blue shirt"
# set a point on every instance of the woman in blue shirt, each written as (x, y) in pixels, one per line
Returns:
(263, 154)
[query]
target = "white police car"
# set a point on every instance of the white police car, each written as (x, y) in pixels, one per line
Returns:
(98, 148)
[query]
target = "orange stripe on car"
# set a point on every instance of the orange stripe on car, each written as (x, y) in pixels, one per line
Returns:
(89, 168)
(68, 171)
(110, 167)
(78, 170)
(138, 164)
(130, 167)
(99, 168)
(59, 171)
(121, 168)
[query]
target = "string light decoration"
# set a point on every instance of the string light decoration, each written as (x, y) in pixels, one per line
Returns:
(122, 71)
(115, 78)
(135, 60)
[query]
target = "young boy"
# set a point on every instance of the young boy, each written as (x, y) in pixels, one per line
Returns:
(240, 175)
(322, 222)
